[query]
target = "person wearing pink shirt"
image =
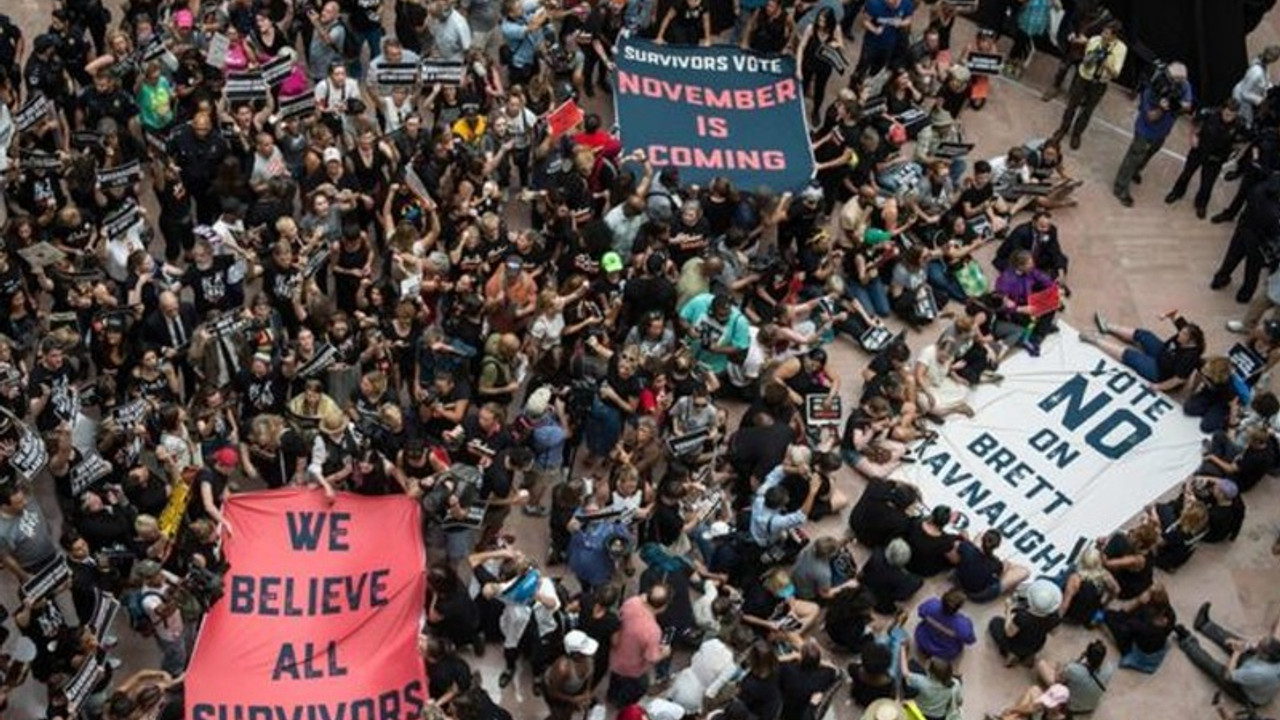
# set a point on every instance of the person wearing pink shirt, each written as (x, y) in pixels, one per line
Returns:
(637, 646)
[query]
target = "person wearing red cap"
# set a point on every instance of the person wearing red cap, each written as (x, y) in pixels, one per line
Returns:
(212, 485)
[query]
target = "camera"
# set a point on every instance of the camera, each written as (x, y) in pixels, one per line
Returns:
(1164, 87)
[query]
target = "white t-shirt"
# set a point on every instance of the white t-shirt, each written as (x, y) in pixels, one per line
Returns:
(169, 628)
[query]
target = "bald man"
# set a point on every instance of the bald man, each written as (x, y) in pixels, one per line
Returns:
(169, 328)
(1167, 95)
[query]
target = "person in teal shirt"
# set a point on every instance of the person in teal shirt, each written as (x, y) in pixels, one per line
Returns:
(155, 99)
(719, 330)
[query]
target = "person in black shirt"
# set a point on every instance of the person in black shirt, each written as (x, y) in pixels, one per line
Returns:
(769, 30)
(212, 279)
(802, 679)
(1253, 235)
(1216, 135)
(1040, 238)
(1167, 363)
(687, 22)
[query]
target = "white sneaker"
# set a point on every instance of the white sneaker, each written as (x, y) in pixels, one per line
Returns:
(1237, 326)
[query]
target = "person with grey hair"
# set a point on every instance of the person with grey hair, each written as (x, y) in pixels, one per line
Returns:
(1252, 89)
(1166, 95)
(885, 574)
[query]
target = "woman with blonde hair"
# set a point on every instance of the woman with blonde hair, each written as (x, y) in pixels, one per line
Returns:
(1088, 588)
(1212, 391)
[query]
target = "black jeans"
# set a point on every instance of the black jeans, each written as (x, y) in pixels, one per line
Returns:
(1211, 666)
(1209, 168)
(1081, 102)
(814, 75)
(1245, 246)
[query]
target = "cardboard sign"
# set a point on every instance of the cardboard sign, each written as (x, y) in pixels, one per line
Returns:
(216, 53)
(321, 612)
(823, 409)
(442, 72)
(35, 109)
(985, 63)
(120, 176)
(714, 112)
(398, 74)
(42, 255)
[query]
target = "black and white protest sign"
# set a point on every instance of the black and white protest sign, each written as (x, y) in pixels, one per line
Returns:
(120, 176)
(80, 686)
(952, 150)
(30, 457)
(40, 160)
(122, 221)
(985, 63)
(326, 355)
(44, 583)
(245, 86)
(315, 260)
(87, 473)
(32, 111)
(444, 72)
(398, 74)
(128, 414)
(822, 409)
(299, 106)
(105, 609)
(275, 70)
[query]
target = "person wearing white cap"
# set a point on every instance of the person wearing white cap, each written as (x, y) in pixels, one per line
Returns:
(1048, 703)
(1030, 615)
(568, 681)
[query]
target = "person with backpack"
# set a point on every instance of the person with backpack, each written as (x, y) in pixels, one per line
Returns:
(158, 601)
(328, 41)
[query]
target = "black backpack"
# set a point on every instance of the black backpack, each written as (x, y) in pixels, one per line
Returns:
(350, 42)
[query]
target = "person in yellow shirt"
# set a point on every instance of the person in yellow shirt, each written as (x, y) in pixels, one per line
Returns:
(471, 127)
(1104, 56)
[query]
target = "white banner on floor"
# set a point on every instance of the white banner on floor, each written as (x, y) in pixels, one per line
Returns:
(1066, 449)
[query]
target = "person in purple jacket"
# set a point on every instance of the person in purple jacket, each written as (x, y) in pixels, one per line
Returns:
(944, 630)
(1015, 285)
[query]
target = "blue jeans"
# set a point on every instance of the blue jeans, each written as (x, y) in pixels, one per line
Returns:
(943, 284)
(874, 296)
(1143, 360)
(373, 37)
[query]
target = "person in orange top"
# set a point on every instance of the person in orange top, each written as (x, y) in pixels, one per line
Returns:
(511, 296)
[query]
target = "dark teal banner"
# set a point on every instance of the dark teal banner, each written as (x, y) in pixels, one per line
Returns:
(714, 111)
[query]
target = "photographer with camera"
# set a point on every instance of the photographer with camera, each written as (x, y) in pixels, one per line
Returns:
(1103, 60)
(1166, 95)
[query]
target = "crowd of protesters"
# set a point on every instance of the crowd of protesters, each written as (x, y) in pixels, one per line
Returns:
(241, 251)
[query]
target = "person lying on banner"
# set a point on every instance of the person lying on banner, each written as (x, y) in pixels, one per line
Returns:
(1029, 299)
(1169, 363)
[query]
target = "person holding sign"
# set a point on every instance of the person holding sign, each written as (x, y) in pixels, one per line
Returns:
(27, 547)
